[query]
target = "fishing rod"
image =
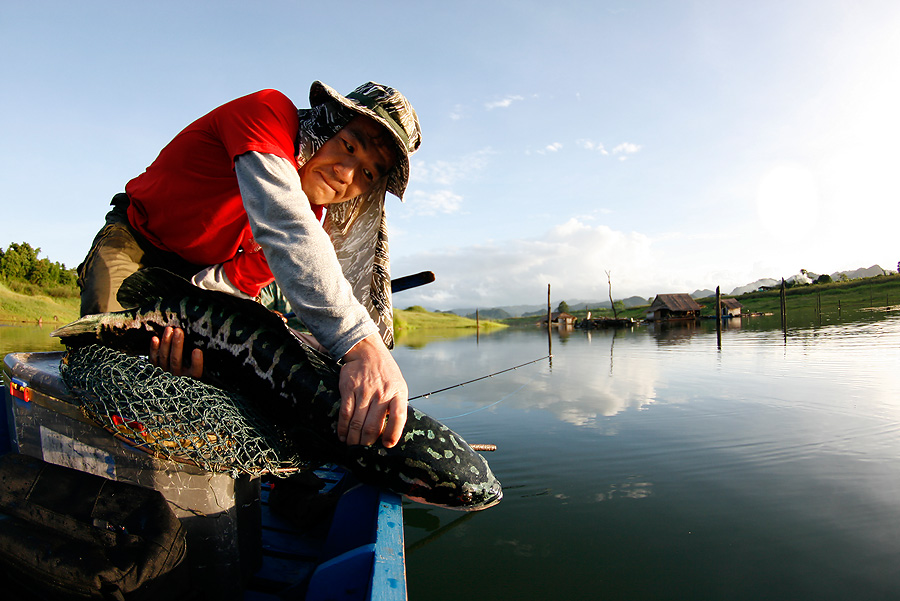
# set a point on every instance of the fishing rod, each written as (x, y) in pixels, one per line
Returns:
(398, 284)
(496, 373)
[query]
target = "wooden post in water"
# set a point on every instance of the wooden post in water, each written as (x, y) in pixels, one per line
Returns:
(783, 309)
(819, 306)
(549, 325)
(718, 318)
(549, 316)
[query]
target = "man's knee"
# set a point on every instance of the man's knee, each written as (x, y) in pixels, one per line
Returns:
(114, 256)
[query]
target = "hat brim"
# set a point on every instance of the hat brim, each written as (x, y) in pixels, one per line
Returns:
(398, 178)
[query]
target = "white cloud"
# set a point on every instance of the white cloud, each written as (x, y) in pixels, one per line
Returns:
(555, 147)
(591, 145)
(626, 148)
(446, 173)
(432, 203)
(572, 257)
(502, 104)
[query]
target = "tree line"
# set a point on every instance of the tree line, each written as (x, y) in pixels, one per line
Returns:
(19, 264)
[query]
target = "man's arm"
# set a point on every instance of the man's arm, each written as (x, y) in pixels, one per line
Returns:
(372, 390)
(301, 257)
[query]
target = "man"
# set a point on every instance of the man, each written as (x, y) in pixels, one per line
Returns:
(235, 201)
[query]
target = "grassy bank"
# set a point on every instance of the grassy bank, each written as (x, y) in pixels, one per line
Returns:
(35, 306)
(416, 318)
(878, 291)
(416, 327)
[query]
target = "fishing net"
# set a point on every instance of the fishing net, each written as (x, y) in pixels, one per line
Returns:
(175, 417)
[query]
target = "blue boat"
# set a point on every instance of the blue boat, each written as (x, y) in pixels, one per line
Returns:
(238, 547)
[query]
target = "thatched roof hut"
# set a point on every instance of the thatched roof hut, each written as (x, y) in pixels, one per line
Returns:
(673, 306)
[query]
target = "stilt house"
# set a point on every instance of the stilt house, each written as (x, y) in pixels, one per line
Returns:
(673, 306)
(731, 307)
(560, 319)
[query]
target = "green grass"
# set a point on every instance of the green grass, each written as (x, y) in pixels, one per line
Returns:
(416, 327)
(877, 291)
(34, 305)
(414, 318)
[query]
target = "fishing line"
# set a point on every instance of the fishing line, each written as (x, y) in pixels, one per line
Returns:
(496, 373)
(443, 419)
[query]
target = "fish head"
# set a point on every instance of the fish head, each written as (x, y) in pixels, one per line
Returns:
(432, 465)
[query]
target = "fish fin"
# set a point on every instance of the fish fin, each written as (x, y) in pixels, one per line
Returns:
(89, 324)
(149, 284)
(153, 283)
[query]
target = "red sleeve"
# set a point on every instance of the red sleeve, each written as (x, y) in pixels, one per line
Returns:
(249, 272)
(265, 121)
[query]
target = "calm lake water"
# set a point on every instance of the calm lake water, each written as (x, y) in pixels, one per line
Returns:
(650, 464)
(653, 463)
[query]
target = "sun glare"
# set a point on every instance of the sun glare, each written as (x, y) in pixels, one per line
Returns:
(788, 200)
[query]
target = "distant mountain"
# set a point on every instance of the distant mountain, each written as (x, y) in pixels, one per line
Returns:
(702, 293)
(862, 272)
(636, 301)
(753, 286)
(810, 277)
(537, 310)
(490, 314)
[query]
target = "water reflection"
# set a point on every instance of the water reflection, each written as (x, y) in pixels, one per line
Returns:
(27, 337)
(650, 456)
(673, 332)
(579, 390)
(649, 464)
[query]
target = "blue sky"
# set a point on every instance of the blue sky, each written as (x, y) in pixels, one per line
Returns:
(677, 145)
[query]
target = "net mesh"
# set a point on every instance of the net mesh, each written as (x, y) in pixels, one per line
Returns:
(176, 417)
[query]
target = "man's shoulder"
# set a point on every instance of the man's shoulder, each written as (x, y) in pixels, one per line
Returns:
(269, 96)
(264, 106)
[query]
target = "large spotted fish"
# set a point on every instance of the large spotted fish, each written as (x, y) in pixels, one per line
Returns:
(250, 351)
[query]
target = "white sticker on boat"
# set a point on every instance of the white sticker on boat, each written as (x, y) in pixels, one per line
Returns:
(61, 450)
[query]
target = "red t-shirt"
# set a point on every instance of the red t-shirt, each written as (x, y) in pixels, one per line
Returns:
(188, 201)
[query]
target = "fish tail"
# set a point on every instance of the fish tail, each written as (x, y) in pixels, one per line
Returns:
(81, 331)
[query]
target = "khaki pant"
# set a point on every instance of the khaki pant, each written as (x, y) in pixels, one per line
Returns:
(117, 251)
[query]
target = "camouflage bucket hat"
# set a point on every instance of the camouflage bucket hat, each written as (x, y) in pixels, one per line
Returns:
(392, 110)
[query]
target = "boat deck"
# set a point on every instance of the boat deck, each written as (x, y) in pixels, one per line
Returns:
(344, 541)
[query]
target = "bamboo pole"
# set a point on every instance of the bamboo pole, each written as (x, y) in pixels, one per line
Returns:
(783, 309)
(548, 308)
(483, 447)
(718, 317)
(549, 325)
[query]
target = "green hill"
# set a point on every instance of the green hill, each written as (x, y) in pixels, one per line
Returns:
(33, 307)
(415, 317)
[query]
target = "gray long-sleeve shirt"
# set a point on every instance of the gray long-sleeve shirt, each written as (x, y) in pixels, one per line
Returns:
(299, 252)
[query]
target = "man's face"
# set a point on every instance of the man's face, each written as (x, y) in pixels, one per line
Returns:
(348, 164)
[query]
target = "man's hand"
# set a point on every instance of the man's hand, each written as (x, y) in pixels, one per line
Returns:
(372, 389)
(167, 353)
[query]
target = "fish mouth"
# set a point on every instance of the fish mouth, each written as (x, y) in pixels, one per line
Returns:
(484, 504)
(495, 495)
